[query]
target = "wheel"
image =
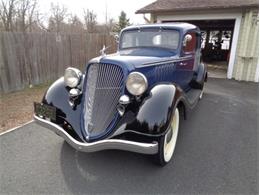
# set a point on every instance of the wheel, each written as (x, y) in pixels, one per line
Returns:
(202, 86)
(168, 141)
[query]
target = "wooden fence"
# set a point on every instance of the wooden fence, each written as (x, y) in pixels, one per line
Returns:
(34, 58)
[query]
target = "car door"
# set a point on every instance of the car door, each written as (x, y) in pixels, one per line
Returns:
(190, 57)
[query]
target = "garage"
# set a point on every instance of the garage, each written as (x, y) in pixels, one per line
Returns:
(229, 30)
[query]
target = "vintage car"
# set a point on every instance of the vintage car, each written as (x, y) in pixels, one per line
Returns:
(133, 99)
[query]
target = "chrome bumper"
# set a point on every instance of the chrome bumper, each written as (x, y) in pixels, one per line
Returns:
(144, 148)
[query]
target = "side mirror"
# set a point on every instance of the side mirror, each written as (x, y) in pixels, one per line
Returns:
(186, 39)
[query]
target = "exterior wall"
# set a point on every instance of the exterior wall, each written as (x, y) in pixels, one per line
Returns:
(246, 61)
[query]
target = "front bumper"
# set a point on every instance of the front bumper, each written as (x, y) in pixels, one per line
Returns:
(144, 148)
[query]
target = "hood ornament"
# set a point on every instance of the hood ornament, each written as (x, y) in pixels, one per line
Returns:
(103, 51)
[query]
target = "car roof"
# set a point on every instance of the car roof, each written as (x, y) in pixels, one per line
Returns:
(182, 26)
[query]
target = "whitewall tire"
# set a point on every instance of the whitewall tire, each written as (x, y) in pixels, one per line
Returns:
(168, 142)
(201, 94)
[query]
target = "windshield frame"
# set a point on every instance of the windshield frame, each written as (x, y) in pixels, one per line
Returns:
(148, 29)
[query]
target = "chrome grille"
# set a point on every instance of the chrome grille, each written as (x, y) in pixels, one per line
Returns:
(102, 93)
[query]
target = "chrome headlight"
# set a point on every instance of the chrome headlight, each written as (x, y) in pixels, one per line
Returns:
(136, 83)
(72, 77)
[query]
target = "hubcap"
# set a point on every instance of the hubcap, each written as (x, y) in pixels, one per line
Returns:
(171, 137)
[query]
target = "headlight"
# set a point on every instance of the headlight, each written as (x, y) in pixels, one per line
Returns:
(136, 83)
(72, 77)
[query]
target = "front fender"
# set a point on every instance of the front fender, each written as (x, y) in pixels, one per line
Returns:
(154, 114)
(58, 95)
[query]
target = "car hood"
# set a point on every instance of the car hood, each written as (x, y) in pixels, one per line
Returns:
(129, 60)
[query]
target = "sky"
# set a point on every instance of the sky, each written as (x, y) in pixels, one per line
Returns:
(114, 7)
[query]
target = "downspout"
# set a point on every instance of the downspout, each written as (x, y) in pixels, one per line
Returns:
(146, 19)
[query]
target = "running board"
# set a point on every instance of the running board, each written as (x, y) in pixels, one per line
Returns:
(193, 96)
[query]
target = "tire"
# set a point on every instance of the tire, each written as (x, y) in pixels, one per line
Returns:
(168, 141)
(201, 94)
(202, 86)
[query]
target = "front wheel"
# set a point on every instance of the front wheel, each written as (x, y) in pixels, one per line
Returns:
(167, 142)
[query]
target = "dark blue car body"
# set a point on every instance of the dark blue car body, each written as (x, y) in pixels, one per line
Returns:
(175, 79)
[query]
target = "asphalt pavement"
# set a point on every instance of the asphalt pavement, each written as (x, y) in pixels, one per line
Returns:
(216, 153)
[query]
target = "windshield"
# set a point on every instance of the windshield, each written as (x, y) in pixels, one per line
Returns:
(150, 38)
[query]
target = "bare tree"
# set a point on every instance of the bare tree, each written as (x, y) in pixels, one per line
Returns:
(58, 16)
(90, 20)
(75, 24)
(40, 20)
(111, 25)
(25, 14)
(17, 15)
(32, 14)
(7, 14)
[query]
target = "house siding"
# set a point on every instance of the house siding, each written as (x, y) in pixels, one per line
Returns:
(247, 53)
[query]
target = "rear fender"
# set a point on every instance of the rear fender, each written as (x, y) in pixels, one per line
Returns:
(200, 77)
(202, 71)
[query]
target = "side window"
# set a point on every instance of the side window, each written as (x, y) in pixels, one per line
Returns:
(189, 42)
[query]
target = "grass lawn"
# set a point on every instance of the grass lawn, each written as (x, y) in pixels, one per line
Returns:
(16, 108)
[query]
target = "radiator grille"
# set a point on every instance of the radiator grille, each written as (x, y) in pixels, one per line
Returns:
(103, 90)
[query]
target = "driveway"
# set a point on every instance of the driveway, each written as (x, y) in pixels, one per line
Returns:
(217, 152)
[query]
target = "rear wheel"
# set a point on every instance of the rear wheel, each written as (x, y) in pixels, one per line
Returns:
(201, 93)
(167, 142)
(202, 86)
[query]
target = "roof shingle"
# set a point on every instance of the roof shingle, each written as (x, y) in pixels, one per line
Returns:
(182, 5)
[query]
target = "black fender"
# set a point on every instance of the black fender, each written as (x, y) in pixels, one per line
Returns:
(200, 77)
(67, 116)
(155, 112)
(202, 73)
